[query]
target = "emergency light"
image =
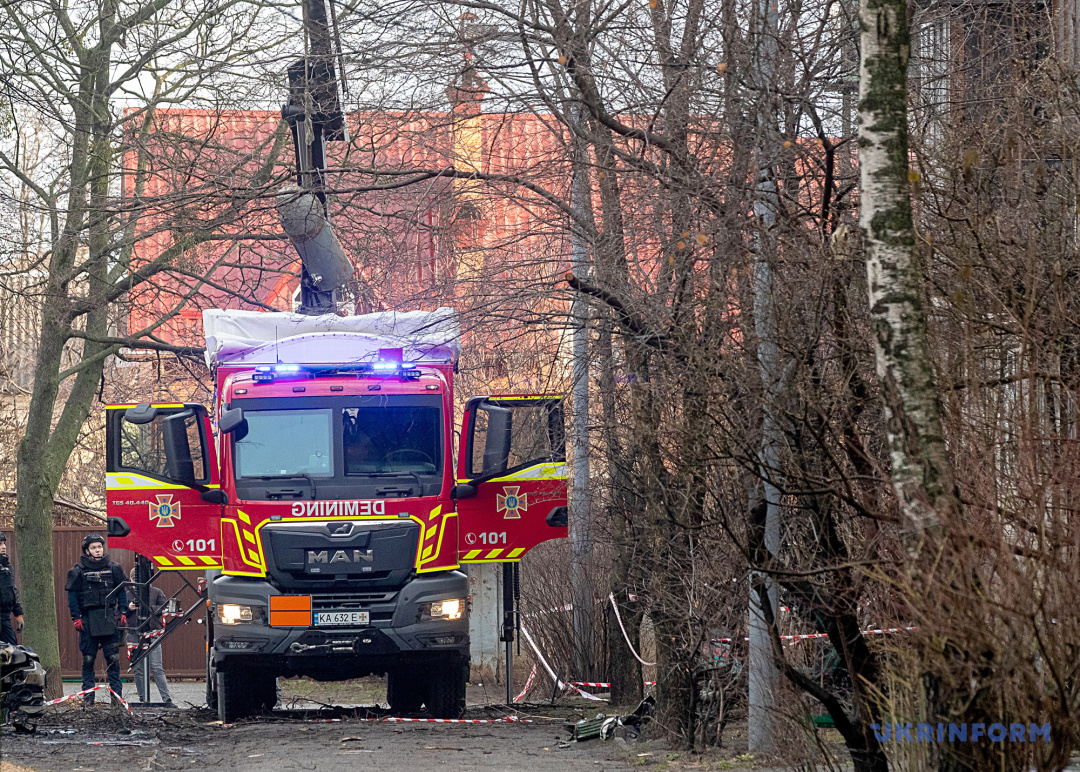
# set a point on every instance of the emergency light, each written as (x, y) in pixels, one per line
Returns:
(267, 373)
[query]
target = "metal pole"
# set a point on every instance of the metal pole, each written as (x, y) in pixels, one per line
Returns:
(581, 519)
(508, 628)
(764, 676)
(142, 571)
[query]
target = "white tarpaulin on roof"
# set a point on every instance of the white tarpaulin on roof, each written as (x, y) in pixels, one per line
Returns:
(254, 337)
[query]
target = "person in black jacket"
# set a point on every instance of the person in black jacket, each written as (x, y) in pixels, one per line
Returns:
(98, 612)
(9, 598)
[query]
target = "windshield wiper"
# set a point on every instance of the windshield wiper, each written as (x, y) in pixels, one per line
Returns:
(413, 475)
(298, 475)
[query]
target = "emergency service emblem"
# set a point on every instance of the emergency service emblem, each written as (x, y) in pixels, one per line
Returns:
(511, 503)
(165, 511)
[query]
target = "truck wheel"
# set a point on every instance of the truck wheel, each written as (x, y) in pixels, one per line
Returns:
(263, 689)
(234, 697)
(404, 691)
(446, 691)
(211, 692)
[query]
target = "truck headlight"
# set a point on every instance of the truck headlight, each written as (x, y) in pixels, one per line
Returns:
(233, 614)
(443, 609)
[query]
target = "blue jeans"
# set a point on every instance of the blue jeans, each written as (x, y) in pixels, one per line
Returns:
(110, 649)
(157, 672)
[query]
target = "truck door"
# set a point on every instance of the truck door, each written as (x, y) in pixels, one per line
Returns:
(511, 492)
(163, 496)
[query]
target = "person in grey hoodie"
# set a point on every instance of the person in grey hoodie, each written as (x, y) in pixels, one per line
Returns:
(158, 602)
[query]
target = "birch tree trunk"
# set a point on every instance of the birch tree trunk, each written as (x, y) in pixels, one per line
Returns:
(921, 472)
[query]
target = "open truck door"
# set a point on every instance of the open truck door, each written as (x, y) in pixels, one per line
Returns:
(164, 499)
(511, 492)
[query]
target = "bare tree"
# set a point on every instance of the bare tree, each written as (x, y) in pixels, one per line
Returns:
(93, 77)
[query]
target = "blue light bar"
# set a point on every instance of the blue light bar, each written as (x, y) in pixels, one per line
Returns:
(287, 368)
(385, 366)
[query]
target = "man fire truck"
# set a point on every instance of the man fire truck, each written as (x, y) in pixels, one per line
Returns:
(326, 506)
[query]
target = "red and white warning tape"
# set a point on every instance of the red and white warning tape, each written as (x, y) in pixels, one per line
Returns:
(97, 688)
(145, 636)
(558, 682)
(602, 685)
(504, 720)
(814, 636)
(395, 719)
(618, 617)
(528, 685)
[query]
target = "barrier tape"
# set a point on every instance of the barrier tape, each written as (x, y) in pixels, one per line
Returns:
(504, 720)
(604, 685)
(528, 685)
(814, 636)
(395, 719)
(144, 636)
(618, 617)
(99, 687)
(558, 683)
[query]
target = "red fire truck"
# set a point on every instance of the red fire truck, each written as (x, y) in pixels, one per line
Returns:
(324, 503)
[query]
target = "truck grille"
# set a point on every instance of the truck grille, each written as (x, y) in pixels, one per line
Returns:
(350, 601)
(372, 557)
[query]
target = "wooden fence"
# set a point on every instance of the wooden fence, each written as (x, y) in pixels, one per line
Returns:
(183, 654)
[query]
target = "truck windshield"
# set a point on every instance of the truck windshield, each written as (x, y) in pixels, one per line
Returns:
(280, 443)
(381, 439)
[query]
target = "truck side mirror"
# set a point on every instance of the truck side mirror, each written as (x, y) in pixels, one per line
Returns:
(142, 413)
(462, 491)
(233, 422)
(497, 442)
(177, 450)
(215, 496)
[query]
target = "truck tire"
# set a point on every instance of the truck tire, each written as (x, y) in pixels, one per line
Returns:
(234, 697)
(211, 690)
(404, 691)
(263, 689)
(446, 691)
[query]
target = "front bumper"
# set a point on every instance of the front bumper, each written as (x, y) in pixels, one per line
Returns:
(395, 634)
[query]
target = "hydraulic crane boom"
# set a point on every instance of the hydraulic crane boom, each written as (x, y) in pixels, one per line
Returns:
(314, 115)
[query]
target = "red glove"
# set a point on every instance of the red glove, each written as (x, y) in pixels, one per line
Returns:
(123, 620)
(78, 624)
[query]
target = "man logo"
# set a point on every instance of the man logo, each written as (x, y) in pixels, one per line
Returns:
(165, 511)
(511, 503)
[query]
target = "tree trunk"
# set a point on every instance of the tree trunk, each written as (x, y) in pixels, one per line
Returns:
(921, 473)
(35, 488)
(624, 671)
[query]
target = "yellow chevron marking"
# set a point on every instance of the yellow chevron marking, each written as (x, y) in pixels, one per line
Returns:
(515, 553)
(249, 536)
(209, 561)
(163, 560)
(471, 554)
(493, 554)
(427, 552)
(185, 560)
(435, 512)
(244, 517)
(125, 481)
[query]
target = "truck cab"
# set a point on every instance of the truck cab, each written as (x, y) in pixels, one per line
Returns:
(325, 506)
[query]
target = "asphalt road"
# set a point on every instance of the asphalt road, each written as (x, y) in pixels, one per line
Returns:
(302, 737)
